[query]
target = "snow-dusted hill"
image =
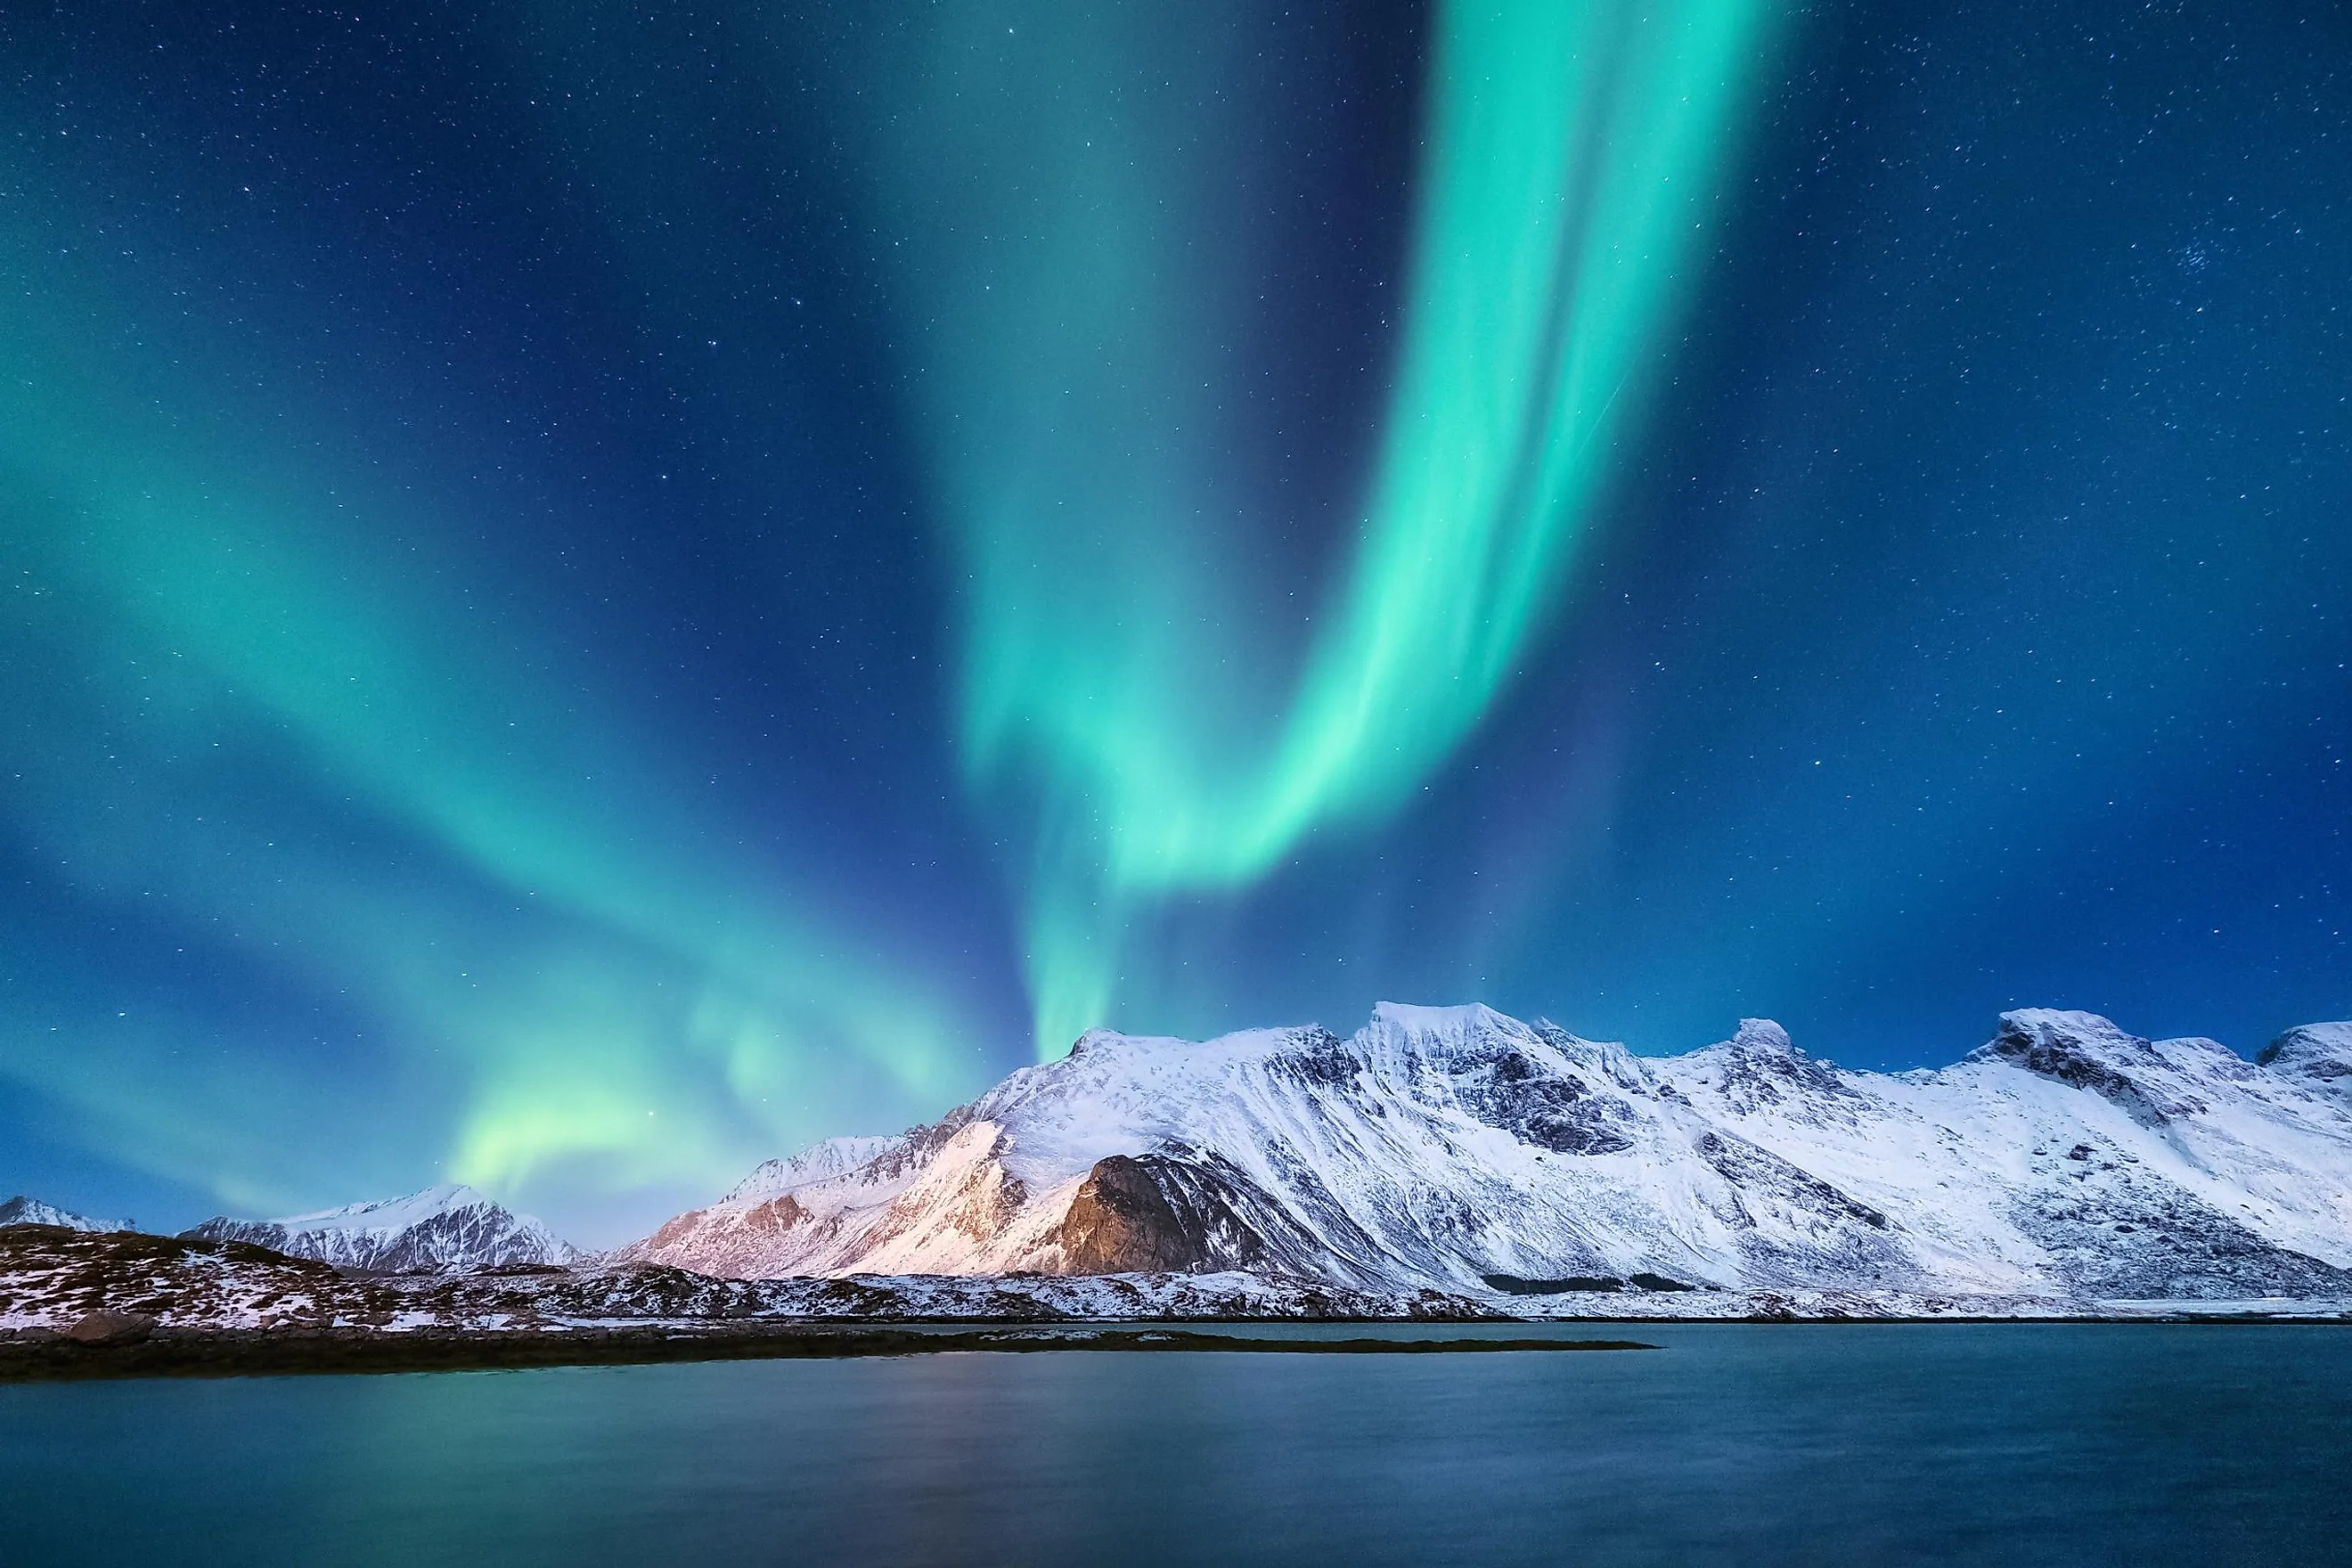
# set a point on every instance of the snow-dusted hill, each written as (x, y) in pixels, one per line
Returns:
(1461, 1149)
(440, 1228)
(2315, 1056)
(21, 1210)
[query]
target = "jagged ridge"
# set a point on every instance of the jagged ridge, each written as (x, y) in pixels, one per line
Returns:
(1448, 1148)
(441, 1227)
(22, 1210)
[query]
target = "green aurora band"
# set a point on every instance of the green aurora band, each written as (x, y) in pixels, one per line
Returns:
(615, 999)
(582, 980)
(1066, 247)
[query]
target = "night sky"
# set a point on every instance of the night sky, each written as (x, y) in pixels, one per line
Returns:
(598, 592)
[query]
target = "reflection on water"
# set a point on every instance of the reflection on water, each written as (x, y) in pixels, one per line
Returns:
(1999, 1444)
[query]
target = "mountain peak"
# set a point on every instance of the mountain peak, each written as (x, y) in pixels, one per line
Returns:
(22, 1210)
(448, 1225)
(817, 1162)
(1416, 1019)
(389, 1213)
(2317, 1056)
(2063, 1023)
(2084, 1050)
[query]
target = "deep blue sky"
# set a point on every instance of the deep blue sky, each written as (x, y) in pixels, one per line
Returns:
(484, 683)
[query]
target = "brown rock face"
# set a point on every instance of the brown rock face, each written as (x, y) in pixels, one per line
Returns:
(103, 1327)
(1121, 1223)
(767, 1220)
(777, 1215)
(1156, 1213)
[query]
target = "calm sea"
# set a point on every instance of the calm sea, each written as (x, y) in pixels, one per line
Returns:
(1748, 1445)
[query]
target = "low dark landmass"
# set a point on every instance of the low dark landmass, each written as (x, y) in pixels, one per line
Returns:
(237, 1352)
(81, 1304)
(52, 1278)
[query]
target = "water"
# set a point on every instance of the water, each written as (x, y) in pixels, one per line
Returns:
(1736, 1444)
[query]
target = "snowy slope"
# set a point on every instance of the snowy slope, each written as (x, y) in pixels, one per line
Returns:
(32, 1211)
(1457, 1149)
(2316, 1055)
(440, 1228)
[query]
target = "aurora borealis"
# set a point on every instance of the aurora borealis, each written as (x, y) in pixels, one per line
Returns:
(1569, 154)
(597, 592)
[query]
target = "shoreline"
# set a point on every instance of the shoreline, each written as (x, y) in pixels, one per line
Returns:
(247, 1353)
(274, 1353)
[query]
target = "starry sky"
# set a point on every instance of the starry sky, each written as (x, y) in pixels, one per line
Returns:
(597, 592)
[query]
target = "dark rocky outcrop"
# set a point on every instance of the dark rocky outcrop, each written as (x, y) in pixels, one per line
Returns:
(1149, 1213)
(1646, 1281)
(1759, 1066)
(105, 1328)
(1513, 1285)
(1180, 1210)
(2083, 1052)
(1554, 1110)
(2112, 1230)
(1759, 1172)
(1317, 1056)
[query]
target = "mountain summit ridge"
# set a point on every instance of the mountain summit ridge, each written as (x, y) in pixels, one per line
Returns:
(23, 1210)
(1460, 1149)
(444, 1226)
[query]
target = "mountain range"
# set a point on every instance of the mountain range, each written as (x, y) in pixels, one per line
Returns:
(1460, 1151)
(21, 1210)
(440, 1228)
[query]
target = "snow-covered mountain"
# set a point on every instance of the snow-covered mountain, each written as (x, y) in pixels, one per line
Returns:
(1461, 1150)
(21, 1210)
(440, 1228)
(2316, 1055)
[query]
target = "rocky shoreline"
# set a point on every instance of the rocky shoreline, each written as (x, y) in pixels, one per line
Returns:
(80, 1304)
(244, 1352)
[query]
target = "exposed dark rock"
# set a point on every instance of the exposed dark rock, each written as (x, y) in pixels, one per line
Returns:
(190, 1288)
(1558, 1111)
(1758, 1170)
(2085, 1053)
(236, 1353)
(1317, 1056)
(107, 1327)
(1153, 1213)
(1761, 1067)
(2124, 1235)
(1513, 1285)
(1644, 1281)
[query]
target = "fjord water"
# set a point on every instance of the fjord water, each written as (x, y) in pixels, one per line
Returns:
(1734, 1444)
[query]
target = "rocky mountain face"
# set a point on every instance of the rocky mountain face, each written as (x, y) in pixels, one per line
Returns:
(22, 1210)
(1459, 1150)
(2316, 1055)
(440, 1228)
